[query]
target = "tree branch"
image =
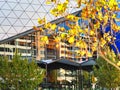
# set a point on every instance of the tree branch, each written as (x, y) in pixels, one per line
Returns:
(106, 59)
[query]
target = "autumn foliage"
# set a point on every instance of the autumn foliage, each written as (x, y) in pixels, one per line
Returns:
(90, 35)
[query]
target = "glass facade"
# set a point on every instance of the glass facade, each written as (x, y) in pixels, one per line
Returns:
(17, 16)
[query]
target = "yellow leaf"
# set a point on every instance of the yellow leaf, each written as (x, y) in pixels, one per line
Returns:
(80, 30)
(53, 26)
(106, 17)
(59, 9)
(106, 35)
(50, 1)
(71, 39)
(44, 39)
(42, 21)
(100, 16)
(77, 27)
(103, 42)
(35, 28)
(118, 64)
(72, 17)
(114, 16)
(41, 29)
(97, 25)
(47, 25)
(71, 31)
(54, 12)
(109, 38)
(82, 44)
(112, 4)
(93, 48)
(61, 29)
(83, 52)
(63, 35)
(57, 45)
(84, 13)
(57, 39)
(89, 54)
(94, 79)
(94, 39)
(77, 44)
(113, 54)
(86, 30)
(92, 32)
(98, 8)
(95, 44)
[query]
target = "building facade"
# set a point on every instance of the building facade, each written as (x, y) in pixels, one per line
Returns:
(28, 46)
(31, 47)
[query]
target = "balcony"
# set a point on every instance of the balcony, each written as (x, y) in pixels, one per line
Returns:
(12, 53)
(23, 40)
(14, 46)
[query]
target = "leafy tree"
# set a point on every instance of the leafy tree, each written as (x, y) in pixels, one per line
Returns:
(86, 78)
(19, 74)
(90, 35)
(107, 75)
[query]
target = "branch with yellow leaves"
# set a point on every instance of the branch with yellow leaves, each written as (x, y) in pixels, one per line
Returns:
(109, 61)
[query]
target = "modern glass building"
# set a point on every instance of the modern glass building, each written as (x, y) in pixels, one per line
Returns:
(17, 17)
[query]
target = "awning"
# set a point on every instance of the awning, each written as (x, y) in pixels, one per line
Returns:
(67, 64)
(56, 64)
(88, 65)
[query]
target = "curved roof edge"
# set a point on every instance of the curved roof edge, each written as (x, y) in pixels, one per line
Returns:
(57, 21)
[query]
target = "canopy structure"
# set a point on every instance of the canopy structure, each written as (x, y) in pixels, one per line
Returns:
(88, 65)
(56, 64)
(67, 64)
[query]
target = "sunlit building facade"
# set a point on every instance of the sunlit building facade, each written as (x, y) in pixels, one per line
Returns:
(17, 17)
(27, 46)
(31, 47)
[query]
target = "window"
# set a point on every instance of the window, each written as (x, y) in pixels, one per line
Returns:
(42, 52)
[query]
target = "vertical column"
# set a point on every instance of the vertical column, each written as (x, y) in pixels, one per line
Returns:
(37, 41)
